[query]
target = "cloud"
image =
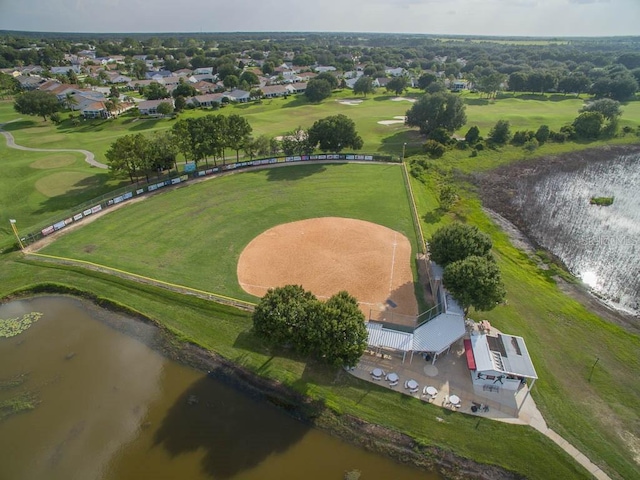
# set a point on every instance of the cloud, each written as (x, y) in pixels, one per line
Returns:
(585, 2)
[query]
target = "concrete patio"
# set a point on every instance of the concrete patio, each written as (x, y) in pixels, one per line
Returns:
(450, 376)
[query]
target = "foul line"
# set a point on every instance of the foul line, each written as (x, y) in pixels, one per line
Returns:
(393, 261)
(211, 295)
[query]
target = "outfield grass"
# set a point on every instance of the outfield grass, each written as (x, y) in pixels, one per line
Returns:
(194, 235)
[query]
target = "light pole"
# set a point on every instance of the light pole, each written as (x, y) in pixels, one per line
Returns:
(15, 231)
(404, 146)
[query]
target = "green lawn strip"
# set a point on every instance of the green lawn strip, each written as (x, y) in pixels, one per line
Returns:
(227, 332)
(564, 339)
(193, 236)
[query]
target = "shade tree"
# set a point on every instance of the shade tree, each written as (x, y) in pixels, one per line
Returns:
(36, 102)
(475, 281)
(457, 241)
(334, 133)
(438, 110)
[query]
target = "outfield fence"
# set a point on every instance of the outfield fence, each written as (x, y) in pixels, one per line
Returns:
(123, 194)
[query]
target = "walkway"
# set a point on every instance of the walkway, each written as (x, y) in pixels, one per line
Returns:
(89, 157)
(450, 376)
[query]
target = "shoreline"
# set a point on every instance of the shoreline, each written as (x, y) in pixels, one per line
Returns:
(496, 189)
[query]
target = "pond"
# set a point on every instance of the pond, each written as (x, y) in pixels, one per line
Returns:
(598, 244)
(111, 407)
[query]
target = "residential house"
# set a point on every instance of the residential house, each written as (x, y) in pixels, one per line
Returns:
(137, 84)
(150, 107)
(202, 77)
(395, 72)
(322, 68)
(206, 100)
(94, 110)
(203, 71)
(272, 91)
(117, 77)
(381, 82)
(171, 80)
(204, 87)
(64, 70)
(238, 95)
(183, 72)
(459, 85)
(29, 83)
(306, 76)
(159, 75)
(298, 87)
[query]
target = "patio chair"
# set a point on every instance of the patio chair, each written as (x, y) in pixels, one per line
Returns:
(406, 384)
(414, 390)
(393, 384)
(445, 401)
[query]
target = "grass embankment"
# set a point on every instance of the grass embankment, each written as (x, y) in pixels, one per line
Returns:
(228, 332)
(598, 415)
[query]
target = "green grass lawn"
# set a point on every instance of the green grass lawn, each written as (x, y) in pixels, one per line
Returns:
(194, 235)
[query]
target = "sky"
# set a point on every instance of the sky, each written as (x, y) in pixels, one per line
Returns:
(549, 18)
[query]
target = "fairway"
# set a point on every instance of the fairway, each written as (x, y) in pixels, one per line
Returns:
(194, 235)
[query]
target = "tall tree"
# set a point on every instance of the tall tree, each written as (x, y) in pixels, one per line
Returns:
(122, 157)
(500, 133)
(475, 282)
(397, 85)
(36, 102)
(457, 241)
(610, 109)
(342, 334)
(438, 110)
(588, 125)
(335, 133)
(363, 85)
(317, 90)
(238, 133)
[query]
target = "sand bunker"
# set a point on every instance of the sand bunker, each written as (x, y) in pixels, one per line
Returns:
(327, 255)
(396, 119)
(400, 99)
(350, 102)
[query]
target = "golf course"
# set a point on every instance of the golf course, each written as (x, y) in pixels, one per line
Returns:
(193, 235)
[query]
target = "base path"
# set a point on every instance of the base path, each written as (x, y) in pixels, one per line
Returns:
(330, 254)
(89, 157)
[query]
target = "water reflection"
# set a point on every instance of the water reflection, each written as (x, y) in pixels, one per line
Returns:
(598, 244)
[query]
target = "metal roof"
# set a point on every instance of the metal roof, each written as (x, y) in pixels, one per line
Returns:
(438, 334)
(514, 361)
(386, 338)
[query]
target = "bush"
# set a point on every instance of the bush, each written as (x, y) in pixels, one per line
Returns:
(558, 137)
(474, 153)
(440, 135)
(521, 137)
(434, 149)
(542, 134)
(531, 145)
(479, 147)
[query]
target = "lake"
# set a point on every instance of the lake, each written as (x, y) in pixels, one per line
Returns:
(598, 244)
(111, 407)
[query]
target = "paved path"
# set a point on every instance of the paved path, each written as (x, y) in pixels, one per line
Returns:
(89, 157)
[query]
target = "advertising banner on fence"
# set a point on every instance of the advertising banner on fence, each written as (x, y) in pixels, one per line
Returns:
(95, 209)
(189, 167)
(77, 217)
(47, 230)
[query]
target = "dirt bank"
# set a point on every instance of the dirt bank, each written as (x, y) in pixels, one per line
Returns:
(497, 189)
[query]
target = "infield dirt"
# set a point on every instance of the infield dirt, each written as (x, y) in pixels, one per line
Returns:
(327, 255)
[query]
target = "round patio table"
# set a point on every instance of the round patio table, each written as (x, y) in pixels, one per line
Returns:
(454, 399)
(432, 391)
(412, 384)
(377, 372)
(393, 377)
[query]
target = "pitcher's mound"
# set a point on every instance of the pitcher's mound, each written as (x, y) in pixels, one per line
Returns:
(327, 255)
